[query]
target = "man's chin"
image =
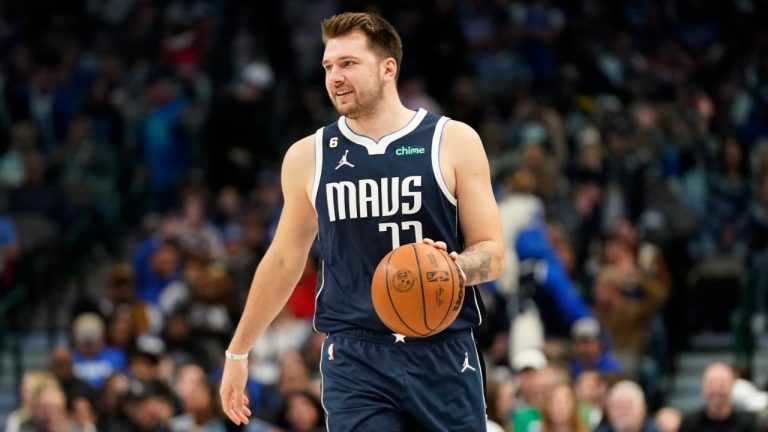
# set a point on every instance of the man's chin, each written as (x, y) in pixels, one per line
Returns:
(347, 111)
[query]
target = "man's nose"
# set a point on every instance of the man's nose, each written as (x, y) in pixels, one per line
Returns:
(335, 75)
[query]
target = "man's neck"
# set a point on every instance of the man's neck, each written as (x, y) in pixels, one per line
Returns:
(387, 118)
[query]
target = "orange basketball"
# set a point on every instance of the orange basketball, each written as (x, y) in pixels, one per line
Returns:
(417, 290)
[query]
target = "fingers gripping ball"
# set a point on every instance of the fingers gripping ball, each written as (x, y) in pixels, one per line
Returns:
(417, 290)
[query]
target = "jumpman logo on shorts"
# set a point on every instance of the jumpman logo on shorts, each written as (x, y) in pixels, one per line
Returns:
(344, 161)
(466, 364)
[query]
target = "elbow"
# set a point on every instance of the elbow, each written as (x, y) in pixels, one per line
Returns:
(499, 260)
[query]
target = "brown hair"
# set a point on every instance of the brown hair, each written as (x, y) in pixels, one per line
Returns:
(577, 423)
(382, 36)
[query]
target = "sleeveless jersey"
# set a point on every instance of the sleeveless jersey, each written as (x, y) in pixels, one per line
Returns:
(371, 197)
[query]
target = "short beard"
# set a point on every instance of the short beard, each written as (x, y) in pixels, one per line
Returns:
(367, 104)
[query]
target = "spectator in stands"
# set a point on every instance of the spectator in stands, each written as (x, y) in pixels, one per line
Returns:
(240, 260)
(537, 283)
(285, 334)
(196, 229)
(501, 401)
(589, 351)
(625, 303)
(626, 410)
(178, 294)
(144, 358)
(526, 364)
(49, 413)
(159, 230)
(591, 388)
(159, 270)
(122, 291)
(718, 413)
(31, 383)
(294, 374)
(528, 417)
(121, 331)
(668, 419)
(61, 364)
(147, 406)
(93, 361)
(163, 137)
(211, 310)
(727, 197)
(108, 404)
(82, 413)
(301, 412)
(201, 404)
(179, 340)
(560, 411)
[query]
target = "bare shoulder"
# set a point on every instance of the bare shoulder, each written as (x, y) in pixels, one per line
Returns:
(459, 138)
(461, 144)
(298, 164)
(300, 152)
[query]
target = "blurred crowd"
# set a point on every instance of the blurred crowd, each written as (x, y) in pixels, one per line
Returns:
(628, 144)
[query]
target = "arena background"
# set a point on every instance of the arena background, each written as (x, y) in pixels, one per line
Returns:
(140, 145)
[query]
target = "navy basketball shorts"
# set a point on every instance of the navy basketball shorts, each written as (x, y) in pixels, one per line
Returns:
(376, 382)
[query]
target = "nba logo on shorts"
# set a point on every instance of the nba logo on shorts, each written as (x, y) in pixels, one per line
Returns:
(330, 352)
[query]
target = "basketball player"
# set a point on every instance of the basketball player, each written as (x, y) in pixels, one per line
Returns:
(381, 176)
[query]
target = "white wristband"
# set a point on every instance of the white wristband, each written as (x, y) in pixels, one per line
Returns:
(231, 356)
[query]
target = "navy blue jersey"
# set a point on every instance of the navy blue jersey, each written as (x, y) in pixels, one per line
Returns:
(371, 197)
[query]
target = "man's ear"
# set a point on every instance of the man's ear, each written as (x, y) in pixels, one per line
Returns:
(390, 68)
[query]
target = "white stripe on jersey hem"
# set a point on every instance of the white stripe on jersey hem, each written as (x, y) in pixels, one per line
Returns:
(378, 148)
(436, 140)
(477, 358)
(318, 165)
(322, 387)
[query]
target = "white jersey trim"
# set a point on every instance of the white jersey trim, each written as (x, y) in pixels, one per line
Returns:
(378, 148)
(436, 139)
(318, 165)
(322, 387)
(481, 366)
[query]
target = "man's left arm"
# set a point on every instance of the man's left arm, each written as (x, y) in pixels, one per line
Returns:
(483, 257)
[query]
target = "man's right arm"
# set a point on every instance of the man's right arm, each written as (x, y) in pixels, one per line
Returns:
(276, 276)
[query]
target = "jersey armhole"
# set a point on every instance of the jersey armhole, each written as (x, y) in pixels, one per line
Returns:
(438, 172)
(318, 165)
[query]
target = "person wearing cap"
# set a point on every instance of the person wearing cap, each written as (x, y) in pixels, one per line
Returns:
(144, 359)
(719, 414)
(589, 351)
(147, 405)
(92, 359)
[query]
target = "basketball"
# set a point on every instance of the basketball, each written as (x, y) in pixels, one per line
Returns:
(417, 290)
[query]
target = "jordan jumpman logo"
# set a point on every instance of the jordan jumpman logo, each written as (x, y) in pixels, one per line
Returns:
(344, 161)
(466, 364)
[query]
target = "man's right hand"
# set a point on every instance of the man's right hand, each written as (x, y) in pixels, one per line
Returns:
(232, 391)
